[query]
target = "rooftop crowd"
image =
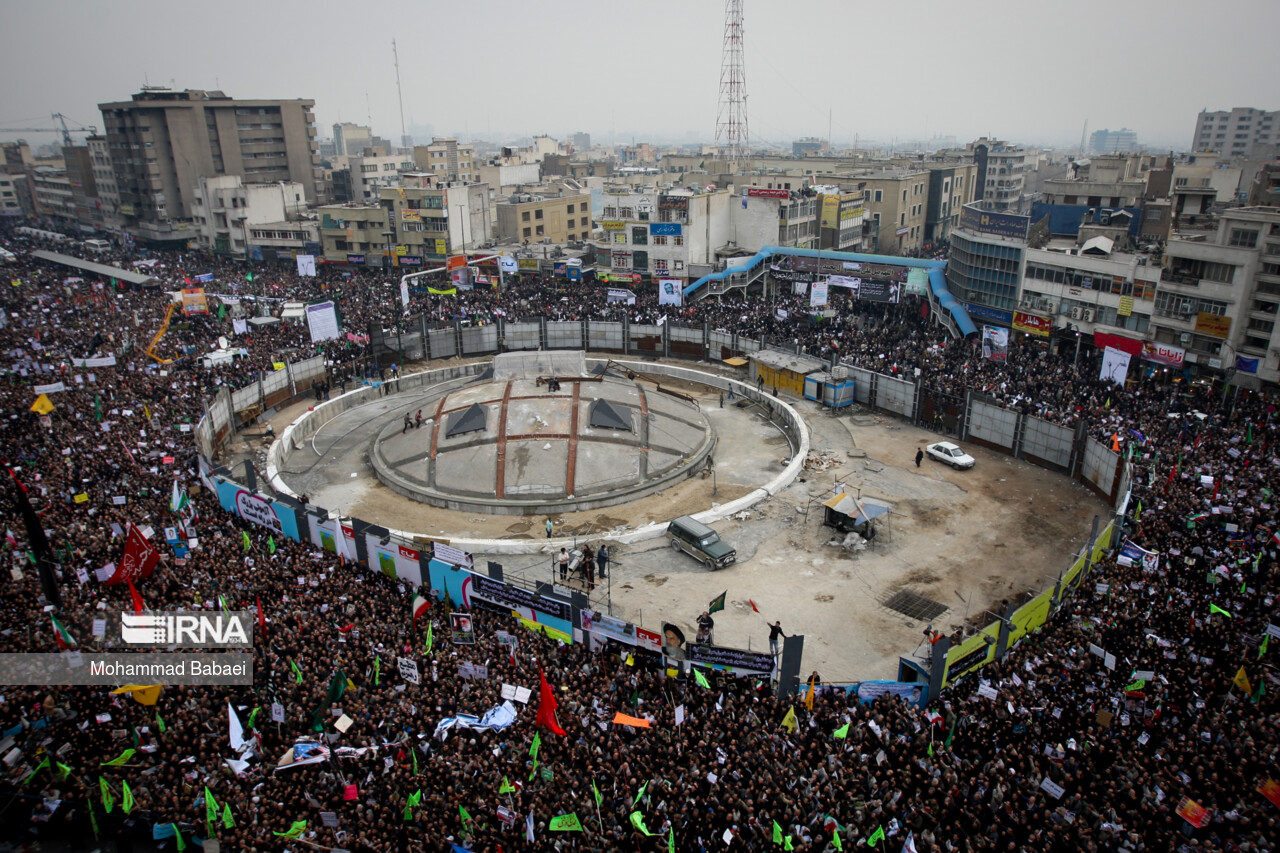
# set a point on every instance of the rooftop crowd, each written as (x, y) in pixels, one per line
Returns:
(1075, 752)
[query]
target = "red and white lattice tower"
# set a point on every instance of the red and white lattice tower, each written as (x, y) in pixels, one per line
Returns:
(732, 138)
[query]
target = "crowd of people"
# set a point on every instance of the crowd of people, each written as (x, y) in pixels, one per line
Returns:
(1140, 718)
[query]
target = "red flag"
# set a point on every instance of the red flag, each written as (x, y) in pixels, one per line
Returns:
(1215, 488)
(753, 605)
(139, 560)
(547, 707)
(262, 618)
(138, 606)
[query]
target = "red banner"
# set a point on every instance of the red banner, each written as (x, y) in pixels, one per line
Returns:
(1102, 339)
(1032, 324)
(139, 560)
(408, 554)
(1163, 353)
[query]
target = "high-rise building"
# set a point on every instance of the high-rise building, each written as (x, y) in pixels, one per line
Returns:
(351, 139)
(1113, 141)
(1002, 171)
(1231, 133)
(581, 141)
(163, 141)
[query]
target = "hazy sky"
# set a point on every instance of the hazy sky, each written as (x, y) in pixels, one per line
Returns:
(1030, 72)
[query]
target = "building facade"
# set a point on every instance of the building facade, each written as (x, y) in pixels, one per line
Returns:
(1113, 141)
(1232, 133)
(540, 217)
(225, 209)
(15, 197)
(446, 159)
(951, 187)
(840, 219)
(896, 206)
(162, 142)
(1002, 172)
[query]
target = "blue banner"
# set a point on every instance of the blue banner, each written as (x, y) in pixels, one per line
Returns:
(410, 260)
(355, 259)
(264, 512)
(665, 229)
(988, 313)
(1246, 365)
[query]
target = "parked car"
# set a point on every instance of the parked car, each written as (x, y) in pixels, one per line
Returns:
(700, 542)
(945, 451)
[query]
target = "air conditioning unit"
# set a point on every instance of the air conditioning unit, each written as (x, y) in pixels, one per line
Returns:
(1075, 313)
(1087, 315)
(1185, 338)
(1051, 307)
(839, 372)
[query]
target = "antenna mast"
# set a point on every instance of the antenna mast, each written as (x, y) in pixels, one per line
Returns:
(399, 93)
(732, 136)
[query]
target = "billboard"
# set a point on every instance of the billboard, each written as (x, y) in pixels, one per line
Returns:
(758, 192)
(1007, 225)
(1032, 324)
(1166, 354)
(1206, 324)
(831, 211)
(613, 225)
(193, 301)
(995, 343)
(666, 229)
(670, 291)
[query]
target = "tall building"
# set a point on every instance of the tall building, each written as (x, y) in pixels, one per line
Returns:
(226, 209)
(446, 159)
(581, 141)
(351, 139)
(1231, 133)
(1002, 171)
(104, 178)
(163, 141)
(1113, 141)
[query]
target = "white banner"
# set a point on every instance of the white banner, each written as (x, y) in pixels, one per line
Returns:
(107, 361)
(307, 265)
(670, 291)
(818, 294)
(844, 281)
(49, 389)
(508, 264)
(1115, 366)
(322, 318)
(240, 327)
(404, 294)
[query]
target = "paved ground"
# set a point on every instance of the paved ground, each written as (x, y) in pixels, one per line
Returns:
(965, 539)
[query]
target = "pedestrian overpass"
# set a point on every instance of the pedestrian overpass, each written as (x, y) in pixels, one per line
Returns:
(949, 310)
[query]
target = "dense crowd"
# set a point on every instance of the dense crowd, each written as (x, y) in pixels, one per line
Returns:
(1074, 752)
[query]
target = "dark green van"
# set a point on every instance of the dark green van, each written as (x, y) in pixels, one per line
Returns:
(700, 542)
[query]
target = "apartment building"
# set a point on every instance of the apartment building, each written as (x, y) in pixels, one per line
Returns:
(351, 139)
(951, 187)
(544, 215)
(897, 202)
(1002, 169)
(1232, 133)
(15, 196)
(446, 159)
(840, 219)
(163, 141)
(225, 209)
(104, 179)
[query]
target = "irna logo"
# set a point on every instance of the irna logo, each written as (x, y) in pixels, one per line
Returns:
(191, 630)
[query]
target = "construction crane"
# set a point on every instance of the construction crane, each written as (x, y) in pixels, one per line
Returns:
(63, 129)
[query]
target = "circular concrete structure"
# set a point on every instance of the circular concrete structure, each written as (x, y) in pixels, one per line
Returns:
(515, 447)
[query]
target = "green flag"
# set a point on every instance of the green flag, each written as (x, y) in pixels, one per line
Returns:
(42, 765)
(700, 678)
(1137, 685)
(337, 686)
(1213, 608)
(836, 840)
(637, 820)
(466, 819)
(412, 803)
(414, 754)
(227, 820)
(271, 544)
(107, 802)
(93, 818)
(777, 833)
(1260, 692)
(878, 835)
(297, 673)
(377, 671)
(786, 843)
(1243, 587)
(671, 840)
(222, 311)
(210, 809)
(508, 788)
(842, 732)
(931, 749)
(595, 792)
(123, 759)
(534, 771)
(178, 839)
(126, 797)
(63, 771)
(1262, 649)
(717, 603)
(640, 793)
(253, 715)
(294, 831)
(950, 735)
(565, 823)
(97, 407)
(160, 724)
(430, 641)
(536, 745)
(244, 537)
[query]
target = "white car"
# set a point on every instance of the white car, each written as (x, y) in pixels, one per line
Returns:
(945, 451)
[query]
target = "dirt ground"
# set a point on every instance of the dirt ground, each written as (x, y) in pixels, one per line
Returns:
(964, 539)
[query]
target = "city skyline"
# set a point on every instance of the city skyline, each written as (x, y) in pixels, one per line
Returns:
(654, 76)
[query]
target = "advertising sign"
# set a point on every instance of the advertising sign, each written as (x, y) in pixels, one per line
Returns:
(986, 312)
(879, 290)
(193, 301)
(666, 229)
(1032, 324)
(497, 592)
(738, 661)
(1206, 324)
(355, 259)
(1007, 225)
(1166, 354)
(831, 211)
(613, 225)
(527, 264)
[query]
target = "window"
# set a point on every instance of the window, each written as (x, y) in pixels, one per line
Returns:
(570, 210)
(527, 233)
(627, 213)
(539, 231)
(524, 216)
(879, 195)
(537, 214)
(1244, 238)
(678, 241)
(620, 237)
(640, 236)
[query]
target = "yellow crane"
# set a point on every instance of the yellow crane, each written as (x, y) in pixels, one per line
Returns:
(164, 327)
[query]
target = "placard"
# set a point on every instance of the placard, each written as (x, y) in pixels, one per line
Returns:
(408, 670)
(1052, 788)
(277, 712)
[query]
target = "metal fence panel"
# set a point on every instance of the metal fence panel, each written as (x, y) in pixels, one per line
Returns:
(721, 344)
(478, 340)
(443, 343)
(564, 335)
(523, 335)
(1099, 465)
(243, 398)
(647, 339)
(605, 335)
(992, 425)
(1048, 441)
(686, 342)
(861, 384)
(895, 395)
